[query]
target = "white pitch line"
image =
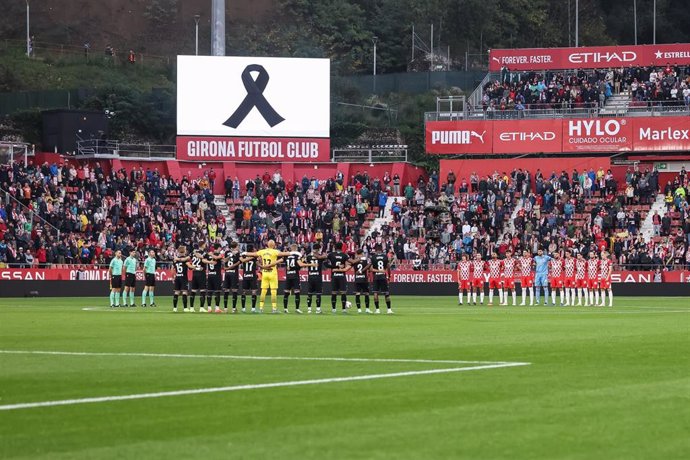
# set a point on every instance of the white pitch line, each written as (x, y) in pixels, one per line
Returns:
(254, 358)
(68, 402)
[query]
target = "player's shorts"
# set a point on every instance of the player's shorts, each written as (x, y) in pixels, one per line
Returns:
(541, 280)
(508, 283)
(478, 282)
(526, 281)
(180, 284)
(556, 282)
(495, 283)
(581, 283)
(361, 287)
(465, 285)
(231, 281)
(593, 283)
(198, 281)
(338, 284)
(116, 282)
(214, 283)
(381, 286)
(315, 285)
(150, 280)
(130, 280)
(269, 280)
(570, 282)
(248, 284)
(292, 284)
(605, 283)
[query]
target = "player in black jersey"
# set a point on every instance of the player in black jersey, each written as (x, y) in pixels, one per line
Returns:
(231, 282)
(379, 266)
(249, 266)
(338, 262)
(214, 262)
(293, 263)
(360, 264)
(181, 282)
(197, 264)
(314, 263)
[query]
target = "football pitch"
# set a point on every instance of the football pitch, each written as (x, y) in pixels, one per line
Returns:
(435, 380)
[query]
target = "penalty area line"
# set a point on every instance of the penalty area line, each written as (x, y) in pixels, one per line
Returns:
(196, 391)
(247, 357)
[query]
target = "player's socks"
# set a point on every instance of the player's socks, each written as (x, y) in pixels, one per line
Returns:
(538, 295)
(514, 298)
(491, 296)
(209, 297)
(334, 299)
(358, 302)
(376, 304)
(202, 299)
(524, 295)
(143, 298)
(388, 304)
(531, 296)
(192, 298)
(610, 297)
(175, 299)
(546, 296)
(501, 299)
(481, 297)
(297, 301)
(217, 300)
(602, 297)
(596, 297)
(286, 296)
(131, 297)
(225, 299)
(244, 301)
(318, 301)
(308, 302)
(459, 298)
(117, 299)
(553, 297)
(567, 296)
(234, 301)
(474, 297)
(112, 299)
(343, 301)
(366, 301)
(253, 301)
(184, 301)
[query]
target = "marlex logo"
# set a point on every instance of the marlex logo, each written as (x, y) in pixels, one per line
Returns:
(527, 136)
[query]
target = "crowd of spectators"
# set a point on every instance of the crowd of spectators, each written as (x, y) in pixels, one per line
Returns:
(669, 84)
(432, 223)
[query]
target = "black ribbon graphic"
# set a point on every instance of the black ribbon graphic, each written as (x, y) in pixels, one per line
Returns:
(254, 98)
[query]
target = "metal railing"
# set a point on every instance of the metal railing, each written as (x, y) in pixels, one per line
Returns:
(387, 154)
(97, 148)
(7, 197)
(11, 151)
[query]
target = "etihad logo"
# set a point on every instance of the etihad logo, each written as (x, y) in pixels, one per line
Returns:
(578, 128)
(464, 137)
(594, 57)
(668, 134)
(528, 136)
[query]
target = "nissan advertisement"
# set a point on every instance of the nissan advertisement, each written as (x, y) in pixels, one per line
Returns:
(586, 135)
(589, 57)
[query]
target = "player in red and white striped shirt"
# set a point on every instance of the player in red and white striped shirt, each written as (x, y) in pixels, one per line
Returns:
(478, 278)
(509, 268)
(556, 277)
(464, 283)
(569, 282)
(581, 280)
(526, 276)
(605, 269)
(495, 268)
(593, 278)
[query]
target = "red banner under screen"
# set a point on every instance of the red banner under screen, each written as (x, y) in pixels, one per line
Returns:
(289, 150)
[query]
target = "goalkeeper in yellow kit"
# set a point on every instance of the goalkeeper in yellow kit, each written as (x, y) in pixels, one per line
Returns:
(269, 258)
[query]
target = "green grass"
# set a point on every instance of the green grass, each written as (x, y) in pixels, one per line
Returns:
(603, 383)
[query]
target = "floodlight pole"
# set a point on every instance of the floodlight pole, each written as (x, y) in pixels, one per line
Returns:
(28, 37)
(196, 34)
(218, 28)
(654, 25)
(577, 23)
(374, 40)
(635, 18)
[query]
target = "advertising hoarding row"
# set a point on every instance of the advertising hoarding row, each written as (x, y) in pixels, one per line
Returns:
(253, 109)
(592, 57)
(397, 276)
(578, 135)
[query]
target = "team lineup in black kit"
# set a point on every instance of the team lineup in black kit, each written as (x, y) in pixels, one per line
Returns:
(239, 277)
